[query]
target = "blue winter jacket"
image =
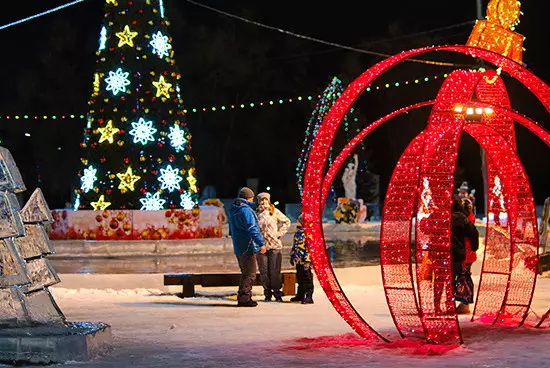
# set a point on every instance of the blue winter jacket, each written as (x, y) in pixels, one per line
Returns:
(244, 228)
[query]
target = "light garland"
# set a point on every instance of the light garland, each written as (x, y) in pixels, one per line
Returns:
(437, 329)
(248, 105)
(41, 14)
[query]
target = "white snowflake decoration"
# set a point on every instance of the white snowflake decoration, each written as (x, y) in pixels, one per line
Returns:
(117, 81)
(143, 131)
(160, 44)
(187, 202)
(88, 179)
(169, 178)
(152, 202)
(177, 138)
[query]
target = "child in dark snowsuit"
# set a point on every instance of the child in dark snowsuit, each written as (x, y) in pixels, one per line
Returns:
(299, 256)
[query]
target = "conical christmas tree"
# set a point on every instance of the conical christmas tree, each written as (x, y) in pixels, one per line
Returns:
(136, 147)
(25, 272)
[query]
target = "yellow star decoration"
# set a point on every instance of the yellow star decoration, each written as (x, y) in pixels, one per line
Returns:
(192, 181)
(127, 180)
(108, 132)
(163, 87)
(112, 2)
(126, 37)
(100, 204)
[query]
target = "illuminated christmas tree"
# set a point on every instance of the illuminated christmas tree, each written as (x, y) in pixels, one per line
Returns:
(329, 97)
(136, 146)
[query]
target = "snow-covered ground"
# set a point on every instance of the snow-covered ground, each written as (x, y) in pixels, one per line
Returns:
(153, 328)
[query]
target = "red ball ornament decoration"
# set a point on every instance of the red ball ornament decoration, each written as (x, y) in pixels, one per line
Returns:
(469, 102)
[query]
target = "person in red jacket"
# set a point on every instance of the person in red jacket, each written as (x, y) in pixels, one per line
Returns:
(471, 255)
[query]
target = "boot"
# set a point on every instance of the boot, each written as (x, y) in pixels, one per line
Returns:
(297, 298)
(463, 309)
(278, 296)
(308, 299)
(267, 295)
(249, 303)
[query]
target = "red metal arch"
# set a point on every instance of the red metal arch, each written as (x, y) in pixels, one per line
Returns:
(312, 196)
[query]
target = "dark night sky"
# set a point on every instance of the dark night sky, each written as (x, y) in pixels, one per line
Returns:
(47, 67)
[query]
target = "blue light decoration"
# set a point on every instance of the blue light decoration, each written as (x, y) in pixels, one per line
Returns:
(88, 179)
(152, 202)
(102, 39)
(169, 178)
(117, 81)
(160, 44)
(177, 138)
(143, 131)
(161, 8)
(187, 201)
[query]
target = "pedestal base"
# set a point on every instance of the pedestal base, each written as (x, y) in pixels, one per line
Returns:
(51, 344)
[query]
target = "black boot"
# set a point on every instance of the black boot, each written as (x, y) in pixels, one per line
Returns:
(308, 299)
(297, 298)
(278, 296)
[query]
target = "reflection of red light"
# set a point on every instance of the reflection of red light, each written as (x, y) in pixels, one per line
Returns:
(437, 142)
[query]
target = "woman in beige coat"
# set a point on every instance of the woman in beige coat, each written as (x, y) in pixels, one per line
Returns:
(273, 225)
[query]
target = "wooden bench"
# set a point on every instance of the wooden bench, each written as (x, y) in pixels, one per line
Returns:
(189, 281)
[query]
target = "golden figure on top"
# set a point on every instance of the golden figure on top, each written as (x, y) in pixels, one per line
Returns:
(496, 32)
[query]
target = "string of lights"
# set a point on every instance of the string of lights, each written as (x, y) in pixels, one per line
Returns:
(333, 44)
(60, 7)
(218, 108)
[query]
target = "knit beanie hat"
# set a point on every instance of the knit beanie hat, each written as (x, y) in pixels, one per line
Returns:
(245, 193)
(264, 195)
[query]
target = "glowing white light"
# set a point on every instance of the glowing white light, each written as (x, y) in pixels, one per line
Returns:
(117, 81)
(102, 38)
(458, 109)
(88, 179)
(161, 7)
(187, 202)
(177, 138)
(160, 44)
(488, 110)
(479, 110)
(425, 209)
(76, 202)
(143, 131)
(470, 111)
(152, 202)
(169, 178)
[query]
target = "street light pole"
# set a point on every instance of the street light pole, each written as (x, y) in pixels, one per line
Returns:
(479, 9)
(484, 173)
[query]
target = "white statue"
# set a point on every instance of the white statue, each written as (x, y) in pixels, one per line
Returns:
(348, 178)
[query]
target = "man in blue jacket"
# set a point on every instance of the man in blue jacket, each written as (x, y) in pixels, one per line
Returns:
(247, 241)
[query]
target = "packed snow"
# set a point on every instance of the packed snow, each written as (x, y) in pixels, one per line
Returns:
(152, 327)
